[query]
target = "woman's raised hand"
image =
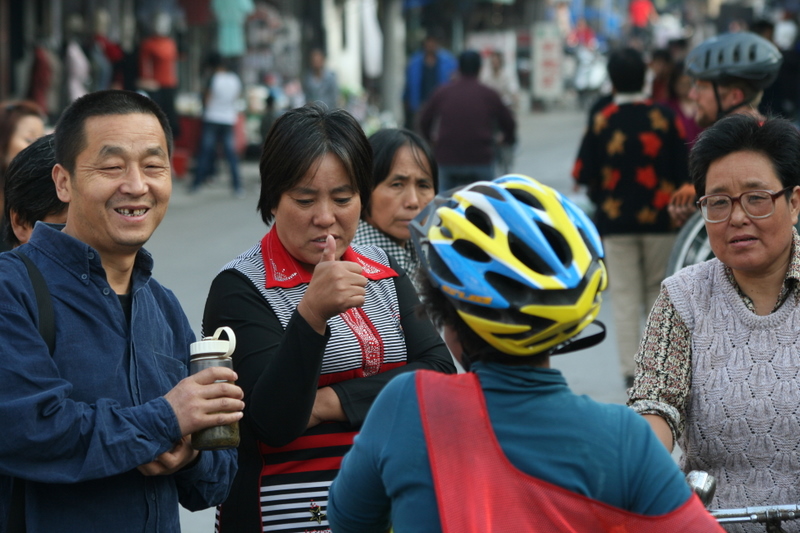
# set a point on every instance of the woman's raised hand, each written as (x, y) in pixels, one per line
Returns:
(335, 287)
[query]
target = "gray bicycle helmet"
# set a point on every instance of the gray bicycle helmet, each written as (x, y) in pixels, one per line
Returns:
(730, 56)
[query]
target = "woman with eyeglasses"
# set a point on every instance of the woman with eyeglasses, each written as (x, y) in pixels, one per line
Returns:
(716, 371)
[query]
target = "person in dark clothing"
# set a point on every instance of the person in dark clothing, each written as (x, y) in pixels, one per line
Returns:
(97, 425)
(427, 70)
(631, 160)
(460, 121)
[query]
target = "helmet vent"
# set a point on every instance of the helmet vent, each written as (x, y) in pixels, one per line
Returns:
(440, 268)
(536, 323)
(753, 52)
(517, 294)
(487, 191)
(527, 256)
(526, 198)
(479, 219)
(708, 60)
(471, 251)
(557, 242)
(588, 243)
(736, 54)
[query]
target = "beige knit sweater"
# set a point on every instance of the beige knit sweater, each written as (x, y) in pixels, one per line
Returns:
(743, 420)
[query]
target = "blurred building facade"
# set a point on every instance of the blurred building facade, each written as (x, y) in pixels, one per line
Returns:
(367, 41)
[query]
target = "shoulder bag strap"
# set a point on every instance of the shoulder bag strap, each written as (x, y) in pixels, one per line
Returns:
(47, 329)
(47, 326)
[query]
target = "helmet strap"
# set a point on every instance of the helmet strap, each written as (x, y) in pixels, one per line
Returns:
(584, 342)
(721, 112)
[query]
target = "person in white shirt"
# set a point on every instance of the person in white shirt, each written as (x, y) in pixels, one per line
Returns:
(219, 118)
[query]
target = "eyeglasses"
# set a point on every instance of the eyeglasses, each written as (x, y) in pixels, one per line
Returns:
(756, 204)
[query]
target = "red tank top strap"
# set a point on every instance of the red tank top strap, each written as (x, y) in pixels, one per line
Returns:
(478, 489)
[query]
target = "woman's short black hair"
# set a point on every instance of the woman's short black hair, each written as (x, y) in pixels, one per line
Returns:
(29, 188)
(298, 139)
(386, 142)
(775, 138)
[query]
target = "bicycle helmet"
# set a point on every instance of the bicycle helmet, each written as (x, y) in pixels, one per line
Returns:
(522, 264)
(730, 56)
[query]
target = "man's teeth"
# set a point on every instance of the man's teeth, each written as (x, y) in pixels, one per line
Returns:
(131, 212)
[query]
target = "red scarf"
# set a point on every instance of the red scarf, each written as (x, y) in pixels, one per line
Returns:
(283, 270)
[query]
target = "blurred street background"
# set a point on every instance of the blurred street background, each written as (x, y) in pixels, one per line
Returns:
(553, 52)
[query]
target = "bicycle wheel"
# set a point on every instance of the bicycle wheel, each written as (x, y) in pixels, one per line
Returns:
(691, 245)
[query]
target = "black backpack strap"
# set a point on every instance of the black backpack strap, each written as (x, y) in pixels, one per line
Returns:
(47, 329)
(47, 322)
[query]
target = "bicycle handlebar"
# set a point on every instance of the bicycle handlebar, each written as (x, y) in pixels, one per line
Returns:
(767, 513)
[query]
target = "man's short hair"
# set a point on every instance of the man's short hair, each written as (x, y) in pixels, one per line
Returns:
(469, 63)
(29, 188)
(626, 68)
(751, 94)
(70, 133)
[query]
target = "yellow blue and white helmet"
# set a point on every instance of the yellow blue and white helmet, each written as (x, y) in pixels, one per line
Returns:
(521, 263)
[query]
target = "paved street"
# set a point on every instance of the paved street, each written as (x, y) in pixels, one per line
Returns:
(202, 232)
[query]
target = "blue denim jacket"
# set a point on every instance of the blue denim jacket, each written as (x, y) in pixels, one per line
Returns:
(77, 424)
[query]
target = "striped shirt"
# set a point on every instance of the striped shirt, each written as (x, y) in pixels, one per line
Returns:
(296, 466)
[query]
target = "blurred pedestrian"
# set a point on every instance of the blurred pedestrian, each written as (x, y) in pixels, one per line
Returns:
(783, 96)
(96, 408)
(30, 194)
(21, 123)
(219, 119)
(158, 67)
(642, 15)
(504, 81)
(680, 85)
(462, 120)
(582, 35)
(658, 72)
(631, 160)
(320, 83)
(427, 69)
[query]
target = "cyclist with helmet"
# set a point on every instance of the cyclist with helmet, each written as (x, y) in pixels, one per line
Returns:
(513, 272)
(730, 74)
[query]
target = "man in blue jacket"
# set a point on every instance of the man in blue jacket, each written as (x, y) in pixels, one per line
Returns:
(427, 69)
(96, 431)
